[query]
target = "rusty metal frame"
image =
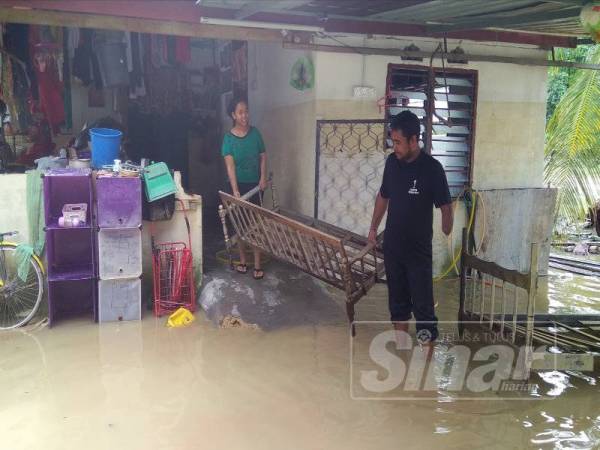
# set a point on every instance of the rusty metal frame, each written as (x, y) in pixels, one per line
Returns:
(335, 256)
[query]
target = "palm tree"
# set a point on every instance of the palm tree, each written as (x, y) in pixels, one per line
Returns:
(573, 143)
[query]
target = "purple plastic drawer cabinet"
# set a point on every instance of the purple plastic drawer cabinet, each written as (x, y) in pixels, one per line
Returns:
(70, 250)
(119, 247)
(119, 202)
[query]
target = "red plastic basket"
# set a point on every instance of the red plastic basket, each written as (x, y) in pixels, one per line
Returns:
(173, 272)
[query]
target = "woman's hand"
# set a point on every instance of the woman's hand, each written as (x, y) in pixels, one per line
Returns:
(236, 194)
(262, 184)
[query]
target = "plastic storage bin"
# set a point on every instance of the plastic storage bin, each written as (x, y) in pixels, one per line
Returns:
(158, 182)
(119, 300)
(119, 201)
(120, 253)
(65, 186)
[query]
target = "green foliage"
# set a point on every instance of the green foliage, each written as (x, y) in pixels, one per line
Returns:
(560, 78)
(573, 139)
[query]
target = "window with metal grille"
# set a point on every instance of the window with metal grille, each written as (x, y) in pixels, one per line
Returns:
(445, 102)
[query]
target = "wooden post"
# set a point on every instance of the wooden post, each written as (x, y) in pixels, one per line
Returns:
(222, 215)
(463, 282)
(273, 193)
(492, 303)
(347, 278)
(531, 293)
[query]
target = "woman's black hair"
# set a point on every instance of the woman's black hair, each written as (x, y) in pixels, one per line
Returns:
(233, 104)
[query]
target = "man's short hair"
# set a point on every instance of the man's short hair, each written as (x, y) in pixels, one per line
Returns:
(408, 123)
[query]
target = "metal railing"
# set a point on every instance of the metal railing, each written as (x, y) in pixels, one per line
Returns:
(503, 309)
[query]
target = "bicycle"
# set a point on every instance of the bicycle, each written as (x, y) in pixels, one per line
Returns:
(19, 299)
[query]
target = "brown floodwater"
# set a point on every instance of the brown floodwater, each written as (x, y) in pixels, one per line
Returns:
(141, 385)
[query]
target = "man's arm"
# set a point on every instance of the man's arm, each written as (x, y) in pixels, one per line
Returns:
(447, 218)
(381, 205)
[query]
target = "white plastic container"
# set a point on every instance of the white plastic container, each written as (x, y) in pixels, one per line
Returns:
(119, 300)
(119, 253)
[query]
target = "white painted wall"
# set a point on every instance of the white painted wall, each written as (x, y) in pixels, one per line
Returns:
(510, 122)
(13, 206)
(286, 118)
(511, 106)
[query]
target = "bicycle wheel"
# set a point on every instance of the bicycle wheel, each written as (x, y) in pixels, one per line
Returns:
(19, 300)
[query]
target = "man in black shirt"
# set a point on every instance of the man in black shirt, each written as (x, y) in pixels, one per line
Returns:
(413, 182)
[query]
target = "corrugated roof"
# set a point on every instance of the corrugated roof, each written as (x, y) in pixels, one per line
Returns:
(555, 17)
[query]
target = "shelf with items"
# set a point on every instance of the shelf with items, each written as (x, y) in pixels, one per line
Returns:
(70, 246)
(64, 187)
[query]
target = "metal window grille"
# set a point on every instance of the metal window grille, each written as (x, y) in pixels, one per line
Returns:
(445, 101)
(350, 161)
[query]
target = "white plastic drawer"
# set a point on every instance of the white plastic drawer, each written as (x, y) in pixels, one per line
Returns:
(119, 300)
(119, 253)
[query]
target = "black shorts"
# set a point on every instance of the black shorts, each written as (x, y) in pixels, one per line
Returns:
(247, 187)
(410, 287)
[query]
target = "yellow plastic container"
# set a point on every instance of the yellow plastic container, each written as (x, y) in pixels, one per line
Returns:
(180, 318)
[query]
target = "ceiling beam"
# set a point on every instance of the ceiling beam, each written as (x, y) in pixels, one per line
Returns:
(104, 22)
(439, 55)
(336, 25)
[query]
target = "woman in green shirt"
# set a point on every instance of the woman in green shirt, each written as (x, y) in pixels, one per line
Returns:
(246, 161)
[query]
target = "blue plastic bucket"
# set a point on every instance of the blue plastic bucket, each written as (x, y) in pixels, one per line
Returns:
(106, 144)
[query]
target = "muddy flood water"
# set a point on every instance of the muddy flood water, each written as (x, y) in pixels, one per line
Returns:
(141, 385)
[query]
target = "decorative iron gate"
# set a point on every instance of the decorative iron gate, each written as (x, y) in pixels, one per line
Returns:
(349, 168)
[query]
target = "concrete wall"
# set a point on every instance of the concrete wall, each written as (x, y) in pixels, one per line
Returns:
(510, 122)
(286, 118)
(13, 210)
(511, 106)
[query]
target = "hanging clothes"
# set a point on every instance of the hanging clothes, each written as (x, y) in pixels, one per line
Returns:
(42, 145)
(17, 73)
(50, 90)
(72, 41)
(67, 101)
(21, 97)
(136, 80)
(128, 52)
(183, 52)
(171, 56)
(154, 51)
(85, 63)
